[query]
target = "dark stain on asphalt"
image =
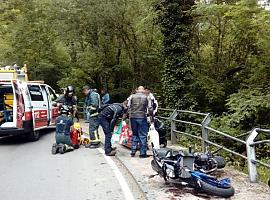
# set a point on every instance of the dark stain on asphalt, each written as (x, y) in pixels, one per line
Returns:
(152, 176)
(179, 191)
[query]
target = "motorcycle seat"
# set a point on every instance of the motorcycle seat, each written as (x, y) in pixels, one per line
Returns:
(166, 152)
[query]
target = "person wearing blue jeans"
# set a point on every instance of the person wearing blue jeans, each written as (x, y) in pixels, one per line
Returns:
(139, 128)
(139, 105)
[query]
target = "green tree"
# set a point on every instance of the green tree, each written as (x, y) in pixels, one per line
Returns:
(175, 21)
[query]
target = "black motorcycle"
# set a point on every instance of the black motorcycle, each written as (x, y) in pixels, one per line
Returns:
(179, 165)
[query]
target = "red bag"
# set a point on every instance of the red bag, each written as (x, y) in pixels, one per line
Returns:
(125, 135)
(74, 135)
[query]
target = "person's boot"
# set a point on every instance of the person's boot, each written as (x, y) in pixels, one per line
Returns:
(112, 153)
(62, 148)
(132, 154)
(144, 156)
(68, 148)
(114, 148)
(55, 148)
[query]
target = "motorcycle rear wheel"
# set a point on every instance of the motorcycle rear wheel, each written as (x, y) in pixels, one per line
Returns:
(217, 191)
(220, 161)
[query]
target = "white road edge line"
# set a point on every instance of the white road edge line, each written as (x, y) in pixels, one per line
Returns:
(125, 188)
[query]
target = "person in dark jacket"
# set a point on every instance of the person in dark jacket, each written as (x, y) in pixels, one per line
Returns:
(64, 124)
(108, 116)
(138, 107)
(92, 103)
(69, 99)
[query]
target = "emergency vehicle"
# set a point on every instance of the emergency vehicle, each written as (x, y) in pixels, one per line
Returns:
(26, 107)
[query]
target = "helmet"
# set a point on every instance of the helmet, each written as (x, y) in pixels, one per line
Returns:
(70, 89)
(64, 109)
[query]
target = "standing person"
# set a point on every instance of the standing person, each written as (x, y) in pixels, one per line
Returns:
(108, 117)
(69, 99)
(138, 105)
(153, 100)
(105, 97)
(64, 124)
(92, 102)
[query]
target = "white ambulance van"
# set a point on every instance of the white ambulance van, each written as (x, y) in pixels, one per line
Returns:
(26, 107)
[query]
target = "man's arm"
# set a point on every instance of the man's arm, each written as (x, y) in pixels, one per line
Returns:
(94, 104)
(74, 106)
(150, 109)
(60, 99)
(106, 98)
(129, 99)
(116, 115)
(71, 123)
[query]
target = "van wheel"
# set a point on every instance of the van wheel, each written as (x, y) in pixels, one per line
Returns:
(33, 136)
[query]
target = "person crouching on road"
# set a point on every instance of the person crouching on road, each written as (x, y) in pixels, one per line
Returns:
(64, 124)
(108, 116)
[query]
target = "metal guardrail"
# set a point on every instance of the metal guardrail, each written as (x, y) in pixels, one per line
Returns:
(204, 137)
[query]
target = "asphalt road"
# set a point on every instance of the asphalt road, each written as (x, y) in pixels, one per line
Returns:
(28, 171)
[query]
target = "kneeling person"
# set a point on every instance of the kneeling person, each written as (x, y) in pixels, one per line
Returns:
(64, 124)
(107, 119)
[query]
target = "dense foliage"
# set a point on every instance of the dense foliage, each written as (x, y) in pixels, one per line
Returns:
(110, 44)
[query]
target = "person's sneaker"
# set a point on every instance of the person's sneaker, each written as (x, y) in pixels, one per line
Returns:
(62, 148)
(112, 153)
(144, 156)
(114, 148)
(54, 149)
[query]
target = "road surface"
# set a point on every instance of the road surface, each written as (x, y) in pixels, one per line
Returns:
(28, 171)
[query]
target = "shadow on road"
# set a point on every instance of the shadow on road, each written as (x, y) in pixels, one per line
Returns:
(16, 140)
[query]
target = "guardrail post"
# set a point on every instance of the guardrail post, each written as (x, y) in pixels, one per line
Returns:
(251, 156)
(205, 123)
(173, 126)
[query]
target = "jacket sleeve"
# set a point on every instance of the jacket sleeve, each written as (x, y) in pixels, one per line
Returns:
(94, 101)
(106, 98)
(93, 104)
(116, 115)
(150, 109)
(60, 99)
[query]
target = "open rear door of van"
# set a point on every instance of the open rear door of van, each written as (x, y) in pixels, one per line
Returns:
(39, 107)
(18, 105)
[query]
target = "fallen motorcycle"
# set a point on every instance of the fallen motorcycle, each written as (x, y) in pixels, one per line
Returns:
(179, 165)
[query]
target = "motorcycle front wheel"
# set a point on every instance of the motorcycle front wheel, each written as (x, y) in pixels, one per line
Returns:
(217, 191)
(158, 169)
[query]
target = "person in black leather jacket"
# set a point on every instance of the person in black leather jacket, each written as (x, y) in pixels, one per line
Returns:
(69, 99)
(108, 116)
